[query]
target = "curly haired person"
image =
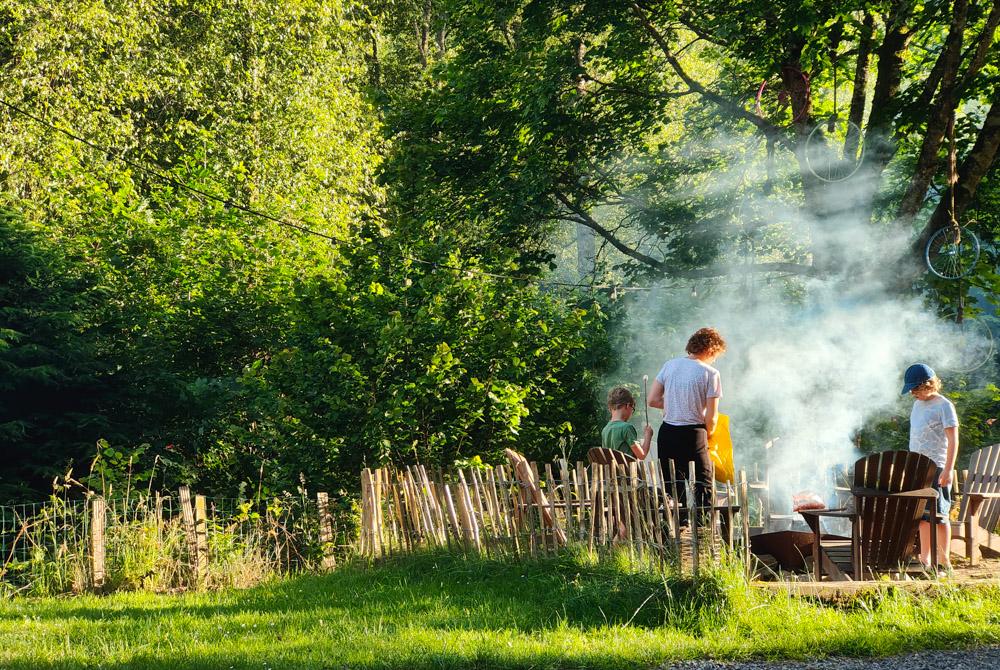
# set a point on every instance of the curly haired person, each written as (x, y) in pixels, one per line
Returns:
(688, 390)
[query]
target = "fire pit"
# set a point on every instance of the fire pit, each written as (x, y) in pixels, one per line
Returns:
(790, 548)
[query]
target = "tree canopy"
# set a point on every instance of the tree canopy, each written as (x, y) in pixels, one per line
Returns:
(254, 243)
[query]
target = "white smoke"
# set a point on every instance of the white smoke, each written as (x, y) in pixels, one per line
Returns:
(809, 360)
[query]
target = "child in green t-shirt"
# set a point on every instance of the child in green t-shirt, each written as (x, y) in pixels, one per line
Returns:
(619, 433)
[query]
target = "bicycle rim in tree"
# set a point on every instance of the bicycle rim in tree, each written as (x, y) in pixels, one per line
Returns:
(952, 253)
(834, 150)
(973, 346)
(774, 103)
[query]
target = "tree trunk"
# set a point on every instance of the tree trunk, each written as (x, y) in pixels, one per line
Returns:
(856, 113)
(937, 123)
(585, 251)
(879, 145)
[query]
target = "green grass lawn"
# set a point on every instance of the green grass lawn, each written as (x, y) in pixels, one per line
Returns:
(440, 611)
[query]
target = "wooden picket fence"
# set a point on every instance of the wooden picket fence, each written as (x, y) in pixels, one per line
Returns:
(536, 508)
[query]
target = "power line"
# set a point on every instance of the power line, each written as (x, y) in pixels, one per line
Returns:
(119, 155)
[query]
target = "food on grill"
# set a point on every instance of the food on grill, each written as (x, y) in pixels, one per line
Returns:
(806, 500)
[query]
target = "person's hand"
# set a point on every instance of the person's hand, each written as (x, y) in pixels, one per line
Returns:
(647, 432)
(945, 479)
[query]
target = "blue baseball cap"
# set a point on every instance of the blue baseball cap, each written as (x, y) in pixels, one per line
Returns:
(916, 375)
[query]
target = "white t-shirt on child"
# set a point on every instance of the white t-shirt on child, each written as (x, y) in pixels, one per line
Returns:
(687, 386)
(928, 420)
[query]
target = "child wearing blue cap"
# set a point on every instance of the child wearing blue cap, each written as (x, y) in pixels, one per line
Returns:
(933, 433)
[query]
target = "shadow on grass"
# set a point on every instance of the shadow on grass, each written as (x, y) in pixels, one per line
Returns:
(437, 590)
(445, 611)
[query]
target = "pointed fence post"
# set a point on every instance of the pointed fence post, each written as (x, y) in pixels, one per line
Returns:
(98, 518)
(326, 531)
(187, 517)
(694, 511)
(201, 535)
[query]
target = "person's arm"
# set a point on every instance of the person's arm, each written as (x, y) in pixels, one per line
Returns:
(641, 450)
(950, 434)
(656, 395)
(711, 414)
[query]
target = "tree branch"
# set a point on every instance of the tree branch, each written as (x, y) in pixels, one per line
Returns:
(580, 216)
(981, 50)
(983, 45)
(769, 129)
(686, 19)
(584, 218)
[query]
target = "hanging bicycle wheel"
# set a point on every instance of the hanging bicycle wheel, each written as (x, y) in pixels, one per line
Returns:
(952, 253)
(775, 103)
(973, 348)
(834, 150)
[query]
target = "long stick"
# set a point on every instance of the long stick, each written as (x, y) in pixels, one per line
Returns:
(645, 403)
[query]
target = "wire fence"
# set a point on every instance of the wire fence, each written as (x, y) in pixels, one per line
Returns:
(167, 541)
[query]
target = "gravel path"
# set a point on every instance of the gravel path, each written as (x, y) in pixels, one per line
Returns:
(966, 659)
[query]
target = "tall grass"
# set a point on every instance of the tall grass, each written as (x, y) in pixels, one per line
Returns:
(47, 546)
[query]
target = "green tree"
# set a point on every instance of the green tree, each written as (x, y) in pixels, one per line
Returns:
(608, 115)
(52, 398)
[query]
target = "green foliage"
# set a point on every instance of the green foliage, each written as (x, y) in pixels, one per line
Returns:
(442, 146)
(51, 395)
(426, 366)
(241, 352)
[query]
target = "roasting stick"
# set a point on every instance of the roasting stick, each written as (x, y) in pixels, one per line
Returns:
(645, 403)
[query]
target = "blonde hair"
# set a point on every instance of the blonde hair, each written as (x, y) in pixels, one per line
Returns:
(620, 396)
(706, 341)
(933, 385)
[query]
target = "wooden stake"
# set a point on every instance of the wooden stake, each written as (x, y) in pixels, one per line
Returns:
(566, 496)
(377, 520)
(470, 515)
(550, 489)
(745, 513)
(632, 498)
(187, 517)
(581, 494)
(452, 516)
(712, 516)
(329, 561)
(487, 529)
(675, 505)
(201, 535)
(595, 501)
(98, 520)
(655, 477)
(505, 522)
(693, 514)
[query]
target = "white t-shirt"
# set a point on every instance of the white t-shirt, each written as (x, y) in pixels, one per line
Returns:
(687, 386)
(928, 420)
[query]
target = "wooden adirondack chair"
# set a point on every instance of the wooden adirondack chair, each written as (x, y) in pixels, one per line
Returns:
(529, 485)
(602, 456)
(979, 511)
(891, 490)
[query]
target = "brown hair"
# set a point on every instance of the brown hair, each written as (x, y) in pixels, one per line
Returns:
(706, 341)
(620, 396)
(933, 385)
